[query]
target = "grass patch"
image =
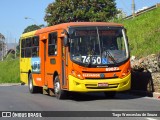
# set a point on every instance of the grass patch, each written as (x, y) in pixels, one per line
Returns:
(9, 71)
(144, 33)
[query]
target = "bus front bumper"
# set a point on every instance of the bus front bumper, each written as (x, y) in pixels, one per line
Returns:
(99, 85)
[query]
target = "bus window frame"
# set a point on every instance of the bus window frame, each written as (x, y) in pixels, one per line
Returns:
(35, 46)
(27, 47)
(55, 43)
(23, 48)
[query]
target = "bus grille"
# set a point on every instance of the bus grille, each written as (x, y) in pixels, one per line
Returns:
(94, 86)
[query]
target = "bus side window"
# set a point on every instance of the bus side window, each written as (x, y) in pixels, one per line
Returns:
(52, 44)
(35, 46)
(22, 48)
(28, 49)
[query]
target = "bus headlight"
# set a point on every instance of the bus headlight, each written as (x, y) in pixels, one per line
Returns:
(77, 74)
(125, 72)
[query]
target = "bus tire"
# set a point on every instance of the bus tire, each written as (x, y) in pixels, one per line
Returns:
(32, 88)
(59, 93)
(110, 94)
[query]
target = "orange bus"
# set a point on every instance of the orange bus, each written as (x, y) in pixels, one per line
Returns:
(76, 57)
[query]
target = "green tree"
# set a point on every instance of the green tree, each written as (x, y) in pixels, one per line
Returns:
(32, 28)
(62, 11)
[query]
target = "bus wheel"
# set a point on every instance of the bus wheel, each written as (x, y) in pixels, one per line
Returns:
(32, 88)
(60, 94)
(110, 94)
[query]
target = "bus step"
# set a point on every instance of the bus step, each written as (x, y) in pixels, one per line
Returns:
(51, 92)
(45, 90)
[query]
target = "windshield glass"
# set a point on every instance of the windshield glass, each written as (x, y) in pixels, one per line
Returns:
(98, 45)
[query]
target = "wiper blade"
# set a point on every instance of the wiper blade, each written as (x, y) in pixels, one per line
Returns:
(112, 58)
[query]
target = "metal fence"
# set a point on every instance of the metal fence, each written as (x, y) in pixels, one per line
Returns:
(143, 11)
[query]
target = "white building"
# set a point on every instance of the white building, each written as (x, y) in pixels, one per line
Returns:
(3, 47)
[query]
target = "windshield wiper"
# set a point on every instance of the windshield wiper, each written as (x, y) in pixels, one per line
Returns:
(112, 58)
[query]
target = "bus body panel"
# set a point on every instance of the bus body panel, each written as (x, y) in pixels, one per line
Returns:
(25, 63)
(81, 24)
(25, 67)
(90, 85)
(50, 63)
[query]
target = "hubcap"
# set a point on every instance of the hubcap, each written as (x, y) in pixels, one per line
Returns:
(57, 87)
(30, 83)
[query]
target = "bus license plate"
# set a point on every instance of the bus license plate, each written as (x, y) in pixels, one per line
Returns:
(102, 84)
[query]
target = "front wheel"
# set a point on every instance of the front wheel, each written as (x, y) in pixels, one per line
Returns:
(60, 94)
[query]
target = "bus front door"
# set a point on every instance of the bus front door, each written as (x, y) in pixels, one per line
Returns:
(44, 42)
(64, 65)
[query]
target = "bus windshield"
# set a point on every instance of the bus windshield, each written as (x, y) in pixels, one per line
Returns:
(98, 45)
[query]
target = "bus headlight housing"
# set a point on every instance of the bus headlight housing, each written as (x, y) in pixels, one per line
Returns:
(77, 74)
(125, 72)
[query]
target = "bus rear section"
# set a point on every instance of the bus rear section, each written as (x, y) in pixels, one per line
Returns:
(25, 55)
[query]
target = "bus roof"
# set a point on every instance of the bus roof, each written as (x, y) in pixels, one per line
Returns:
(28, 34)
(66, 25)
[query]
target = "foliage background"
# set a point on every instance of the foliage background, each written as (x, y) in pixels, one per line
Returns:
(62, 11)
(144, 33)
(32, 28)
(9, 71)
